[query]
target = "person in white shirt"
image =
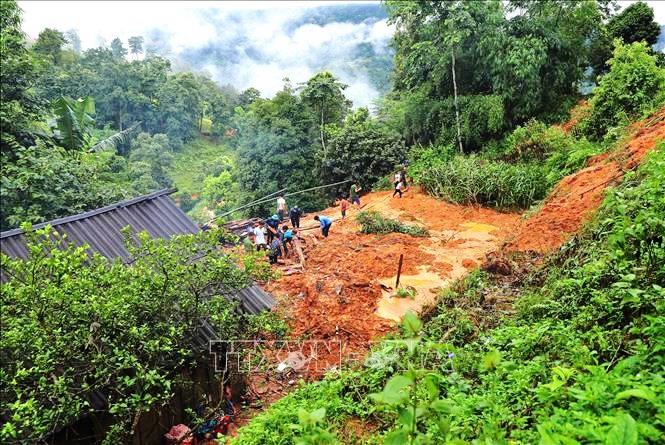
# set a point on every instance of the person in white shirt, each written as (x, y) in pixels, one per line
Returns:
(282, 209)
(260, 236)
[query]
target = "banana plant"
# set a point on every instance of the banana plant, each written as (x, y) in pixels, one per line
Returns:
(73, 123)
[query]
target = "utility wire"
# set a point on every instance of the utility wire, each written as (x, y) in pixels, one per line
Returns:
(271, 196)
(253, 203)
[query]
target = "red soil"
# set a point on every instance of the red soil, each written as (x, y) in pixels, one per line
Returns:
(577, 196)
(335, 298)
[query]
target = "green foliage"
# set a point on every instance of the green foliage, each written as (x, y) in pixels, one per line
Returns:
(513, 61)
(278, 143)
(635, 24)
(49, 45)
(154, 152)
(19, 105)
(46, 182)
(581, 362)
(309, 431)
(363, 149)
(75, 323)
(634, 86)
(472, 180)
(73, 119)
(373, 222)
(404, 292)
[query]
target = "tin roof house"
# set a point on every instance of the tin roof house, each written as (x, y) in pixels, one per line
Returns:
(102, 228)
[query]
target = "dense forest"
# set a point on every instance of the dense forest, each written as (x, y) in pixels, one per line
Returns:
(475, 96)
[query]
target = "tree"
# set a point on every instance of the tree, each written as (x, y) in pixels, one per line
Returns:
(530, 60)
(49, 44)
(78, 324)
(117, 48)
(635, 24)
(45, 182)
(363, 148)
(154, 151)
(136, 45)
(248, 96)
(634, 85)
(276, 143)
(19, 105)
(324, 94)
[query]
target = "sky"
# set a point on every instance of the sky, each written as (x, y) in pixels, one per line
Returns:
(270, 54)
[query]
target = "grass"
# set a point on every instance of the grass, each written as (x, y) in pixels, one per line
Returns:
(191, 165)
(374, 222)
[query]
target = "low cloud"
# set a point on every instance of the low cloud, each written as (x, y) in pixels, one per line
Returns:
(256, 45)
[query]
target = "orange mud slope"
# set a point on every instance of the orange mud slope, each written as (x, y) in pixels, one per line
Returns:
(347, 291)
(577, 196)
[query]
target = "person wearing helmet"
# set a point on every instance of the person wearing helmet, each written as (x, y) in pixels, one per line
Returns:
(272, 225)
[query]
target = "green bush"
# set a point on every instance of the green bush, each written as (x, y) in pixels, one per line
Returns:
(373, 222)
(472, 180)
(74, 324)
(634, 86)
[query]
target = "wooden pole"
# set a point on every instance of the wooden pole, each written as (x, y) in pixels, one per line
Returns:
(399, 269)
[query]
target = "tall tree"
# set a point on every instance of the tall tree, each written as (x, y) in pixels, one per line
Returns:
(511, 68)
(276, 142)
(136, 45)
(362, 148)
(324, 93)
(19, 106)
(635, 24)
(49, 44)
(117, 48)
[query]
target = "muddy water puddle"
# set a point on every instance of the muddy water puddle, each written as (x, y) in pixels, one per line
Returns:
(460, 249)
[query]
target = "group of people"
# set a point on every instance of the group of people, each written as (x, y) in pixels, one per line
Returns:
(271, 236)
(277, 238)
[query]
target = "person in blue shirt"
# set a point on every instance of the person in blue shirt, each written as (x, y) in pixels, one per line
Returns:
(272, 226)
(325, 224)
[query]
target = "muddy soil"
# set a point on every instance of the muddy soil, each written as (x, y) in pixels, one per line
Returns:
(346, 294)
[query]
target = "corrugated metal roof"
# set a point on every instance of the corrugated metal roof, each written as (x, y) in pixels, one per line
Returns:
(102, 228)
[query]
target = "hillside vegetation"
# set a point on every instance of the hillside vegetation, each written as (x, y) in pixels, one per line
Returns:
(529, 241)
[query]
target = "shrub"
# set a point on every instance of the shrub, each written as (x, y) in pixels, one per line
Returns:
(634, 86)
(374, 222)
(471, 180)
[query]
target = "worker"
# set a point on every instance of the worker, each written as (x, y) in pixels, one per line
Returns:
(295, 213)
(260, 236)
(398, 188)
(276, 250)
(353, 195)
(325, 224)
(282, 209)
(272, 227)
(343, 205)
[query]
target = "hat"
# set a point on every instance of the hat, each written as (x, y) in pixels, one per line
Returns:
(275, 217)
